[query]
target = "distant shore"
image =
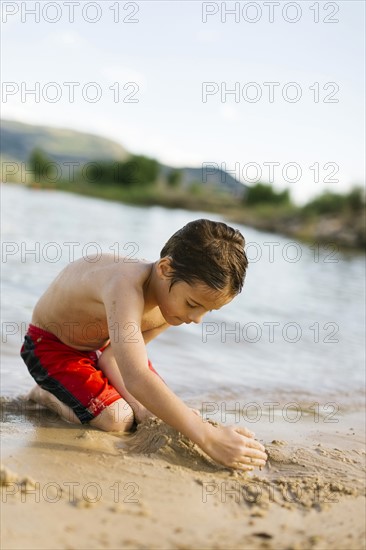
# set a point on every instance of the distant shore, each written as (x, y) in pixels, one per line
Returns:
(330, 230)
(343, 230)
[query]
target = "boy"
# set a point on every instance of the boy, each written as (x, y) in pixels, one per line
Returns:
(85, 346)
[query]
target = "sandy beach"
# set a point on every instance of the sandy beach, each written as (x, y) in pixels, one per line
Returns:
(67, 487)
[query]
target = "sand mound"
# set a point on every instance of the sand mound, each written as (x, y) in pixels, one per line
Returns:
(155, 437)
(293, 477)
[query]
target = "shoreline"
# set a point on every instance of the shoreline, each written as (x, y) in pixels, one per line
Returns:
(337, 231)
(68, 487)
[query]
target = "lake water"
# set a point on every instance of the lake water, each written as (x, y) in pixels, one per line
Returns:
(296, 332)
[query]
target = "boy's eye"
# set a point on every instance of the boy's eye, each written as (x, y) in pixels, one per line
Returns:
(189, 305)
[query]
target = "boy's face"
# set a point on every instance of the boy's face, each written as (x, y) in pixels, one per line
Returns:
(187, 303)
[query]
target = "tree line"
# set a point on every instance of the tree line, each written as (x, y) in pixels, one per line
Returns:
(141, 171)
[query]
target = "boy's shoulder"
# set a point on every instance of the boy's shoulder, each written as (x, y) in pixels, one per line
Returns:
(107, 263)
(105, 273)
(121, 284)
(118, 274)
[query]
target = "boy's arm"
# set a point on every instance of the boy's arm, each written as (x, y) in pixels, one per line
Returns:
(148, 335)
(229, 446)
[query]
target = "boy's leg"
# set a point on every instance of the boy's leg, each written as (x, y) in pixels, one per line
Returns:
(117, 417)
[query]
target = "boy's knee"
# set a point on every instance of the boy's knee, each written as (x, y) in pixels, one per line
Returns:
(117, 417)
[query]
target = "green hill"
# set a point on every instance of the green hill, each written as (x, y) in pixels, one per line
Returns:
(64, 145)
(60, 144)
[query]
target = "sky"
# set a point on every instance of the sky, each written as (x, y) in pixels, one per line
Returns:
(270, 91)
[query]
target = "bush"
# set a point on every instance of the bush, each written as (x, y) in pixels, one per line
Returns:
(356, 199)
(174, 178)
(137, 170)
(334, 203)
(262, 194)
(42, 166)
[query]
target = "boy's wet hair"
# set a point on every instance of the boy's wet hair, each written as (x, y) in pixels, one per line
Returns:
(208, 252)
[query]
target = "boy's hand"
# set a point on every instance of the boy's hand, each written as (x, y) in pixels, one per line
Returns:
(234, 448)
(141, 413)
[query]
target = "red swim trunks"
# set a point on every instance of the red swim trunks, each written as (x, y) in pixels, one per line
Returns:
(69, 374)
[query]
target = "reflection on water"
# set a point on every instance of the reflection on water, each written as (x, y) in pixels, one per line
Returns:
(297, 329)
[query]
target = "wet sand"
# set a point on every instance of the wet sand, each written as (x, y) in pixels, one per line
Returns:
(69, 487)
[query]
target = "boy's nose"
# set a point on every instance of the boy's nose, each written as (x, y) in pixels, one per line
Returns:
(196, 318)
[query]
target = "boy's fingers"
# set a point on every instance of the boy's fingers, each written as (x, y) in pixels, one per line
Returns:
(245, 431)
(255, 445)
(254, 462)
(255, 453)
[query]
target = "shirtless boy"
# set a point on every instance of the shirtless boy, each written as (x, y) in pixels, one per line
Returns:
(85, 346)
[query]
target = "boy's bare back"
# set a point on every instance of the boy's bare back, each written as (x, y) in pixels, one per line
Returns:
(75, 307)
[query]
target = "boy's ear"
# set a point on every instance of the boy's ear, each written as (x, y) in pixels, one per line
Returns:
(164, 267)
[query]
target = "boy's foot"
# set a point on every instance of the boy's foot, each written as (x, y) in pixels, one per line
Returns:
(46, 399)
(35, 395)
